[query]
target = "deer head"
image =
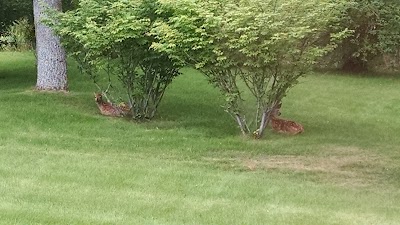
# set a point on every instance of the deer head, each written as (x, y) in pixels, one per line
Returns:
(98, 97)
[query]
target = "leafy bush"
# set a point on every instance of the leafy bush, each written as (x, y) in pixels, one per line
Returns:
(110, 40)
(13, 10)
(266, 45)
(376, 33)
(19, 36)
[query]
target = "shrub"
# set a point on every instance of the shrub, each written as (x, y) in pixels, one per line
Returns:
(18, 37)
(376, 33)
(110, 40)
(13, 10)
(266, 45)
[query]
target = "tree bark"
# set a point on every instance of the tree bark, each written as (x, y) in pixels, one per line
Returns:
(51, 58)
(263, 124)
(242, 124)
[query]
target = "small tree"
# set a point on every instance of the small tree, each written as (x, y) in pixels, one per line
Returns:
(111, 40)
(262, 45)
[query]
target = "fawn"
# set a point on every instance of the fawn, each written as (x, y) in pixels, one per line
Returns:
(109, 109)
(281, 125)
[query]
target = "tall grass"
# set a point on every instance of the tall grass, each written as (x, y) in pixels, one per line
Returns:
(61, 162)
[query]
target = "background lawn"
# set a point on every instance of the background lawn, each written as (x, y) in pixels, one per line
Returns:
(61, 162)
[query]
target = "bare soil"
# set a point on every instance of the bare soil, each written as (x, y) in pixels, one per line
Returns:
(343, 166)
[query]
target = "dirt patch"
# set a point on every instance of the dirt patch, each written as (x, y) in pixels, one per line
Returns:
(347, 166)
(341, 165)
(331, 164)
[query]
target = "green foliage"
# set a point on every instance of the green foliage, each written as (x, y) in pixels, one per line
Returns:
(18, 37)
(267, 45)
(13, 10)
(113, 36)
(69, 4)
(376, 26)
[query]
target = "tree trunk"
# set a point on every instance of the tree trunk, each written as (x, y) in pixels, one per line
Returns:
(264, 122)
(242, 124)
(51, 59)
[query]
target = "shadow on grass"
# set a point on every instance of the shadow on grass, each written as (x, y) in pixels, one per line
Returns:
(12, 79)
(209, 119)
(17, 70)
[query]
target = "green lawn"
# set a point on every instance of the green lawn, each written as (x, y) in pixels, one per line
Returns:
(61, 162)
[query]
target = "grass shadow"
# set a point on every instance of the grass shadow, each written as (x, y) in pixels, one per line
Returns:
(10, 75)
(206, 118)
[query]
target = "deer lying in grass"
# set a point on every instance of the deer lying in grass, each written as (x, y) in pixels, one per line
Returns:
(284, 126)
(108, 108)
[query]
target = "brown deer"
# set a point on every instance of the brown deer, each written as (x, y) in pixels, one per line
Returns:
(284, 126)
(109, 109)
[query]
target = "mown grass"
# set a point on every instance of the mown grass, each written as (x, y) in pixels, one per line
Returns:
(61, 162)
